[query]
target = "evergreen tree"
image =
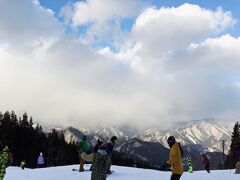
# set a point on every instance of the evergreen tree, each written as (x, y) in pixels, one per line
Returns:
(234, 147)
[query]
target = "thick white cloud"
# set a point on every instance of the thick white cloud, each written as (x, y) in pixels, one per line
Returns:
(160, 32)
(26, 22)
(101, 17)
(220, 53)
(188, 61)
(56, 78)
(101, 11)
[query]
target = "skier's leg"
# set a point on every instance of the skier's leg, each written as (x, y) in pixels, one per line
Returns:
(208, 168)
(109, 163)
(82, 161)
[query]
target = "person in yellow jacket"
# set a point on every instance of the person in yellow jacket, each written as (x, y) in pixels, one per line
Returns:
(175, 159)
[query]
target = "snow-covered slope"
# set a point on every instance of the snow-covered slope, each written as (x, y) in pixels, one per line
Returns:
(121, 173)
(106, 133)
(205, 132)
(72, 135)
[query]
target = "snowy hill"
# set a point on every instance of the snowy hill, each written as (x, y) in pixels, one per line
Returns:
(121, 173)
(205, 132)
(106, 133)
(72, 135)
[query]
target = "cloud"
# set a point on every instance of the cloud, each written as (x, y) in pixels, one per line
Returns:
(166, 70)
(99, 11)
(27, 22)
(158, 33)
(102, 18)
(220, 53)
(186, 58)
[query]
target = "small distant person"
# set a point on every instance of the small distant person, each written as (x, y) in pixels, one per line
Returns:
(99, 163)
(206, 162)
(189, 164)
(237, 171)
(40, 161)
(83, 150)
(190, 168)
(3, 160)
(22, 164)
(175, 159)
(109, 149)
(10, 159)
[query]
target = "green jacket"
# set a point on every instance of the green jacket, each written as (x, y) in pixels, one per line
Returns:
(3, 161)
(84, 147)
(22, 164)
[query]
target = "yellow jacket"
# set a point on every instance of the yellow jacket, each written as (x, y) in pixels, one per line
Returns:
(175, 159)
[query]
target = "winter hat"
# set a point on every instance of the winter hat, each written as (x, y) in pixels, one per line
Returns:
(171, 141)
(99, 142)
(113, 139)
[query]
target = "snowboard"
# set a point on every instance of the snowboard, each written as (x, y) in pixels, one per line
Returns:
(111, 172)
(82, 171)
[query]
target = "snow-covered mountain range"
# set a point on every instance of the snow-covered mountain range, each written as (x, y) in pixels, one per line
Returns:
(151, 145)
(73, 135)
(207, 133)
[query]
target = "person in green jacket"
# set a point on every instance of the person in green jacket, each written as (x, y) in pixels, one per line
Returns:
(190, 168)
(22, 164)
(3, 160)
(83, 149)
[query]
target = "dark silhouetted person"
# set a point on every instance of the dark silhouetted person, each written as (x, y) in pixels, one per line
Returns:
(109, 149)
(206, 162)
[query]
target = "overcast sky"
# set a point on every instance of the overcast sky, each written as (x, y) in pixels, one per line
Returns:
(120, 62)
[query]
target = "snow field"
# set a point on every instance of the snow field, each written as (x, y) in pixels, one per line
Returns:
(121, 173)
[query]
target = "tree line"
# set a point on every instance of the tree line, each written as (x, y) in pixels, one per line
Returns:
(26, 140)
